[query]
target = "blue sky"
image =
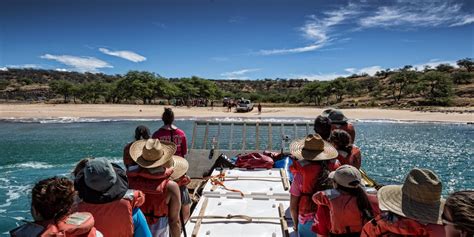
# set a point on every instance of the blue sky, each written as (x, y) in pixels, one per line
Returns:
(242, 39)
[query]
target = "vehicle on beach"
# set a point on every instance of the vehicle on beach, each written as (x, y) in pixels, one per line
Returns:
(244, 106)
(237, 201)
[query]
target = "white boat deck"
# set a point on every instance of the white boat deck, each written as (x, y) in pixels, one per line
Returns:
(263, 210)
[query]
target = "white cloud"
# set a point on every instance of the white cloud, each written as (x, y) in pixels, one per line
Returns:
(128, 55)
(3, 69)
(318, 30)
(418, 14)
(319, 77)
(433, 63)
(24, 66)
(330, 76)
(61, 70)
(240, 74)
(369, 70)
(81, 64)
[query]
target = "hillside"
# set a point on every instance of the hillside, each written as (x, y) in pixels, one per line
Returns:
(440, 86)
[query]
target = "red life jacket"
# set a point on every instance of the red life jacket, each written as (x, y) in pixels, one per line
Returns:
(127, 159)
(348, 127)
(345, 216)
(107, 215)
(353, 159)
(389, 224)
(78, 224)
(254, 160)
(155, 188)
(310, 171)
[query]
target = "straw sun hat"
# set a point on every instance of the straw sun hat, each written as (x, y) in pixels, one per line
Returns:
(180, 167)
(419, 197)
(313, 148)
(152, 153)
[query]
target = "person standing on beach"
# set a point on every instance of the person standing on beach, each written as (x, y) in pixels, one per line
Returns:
(170, 133)
(259, 107)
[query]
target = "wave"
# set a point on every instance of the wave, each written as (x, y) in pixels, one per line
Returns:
(65, 120)
(28, 165)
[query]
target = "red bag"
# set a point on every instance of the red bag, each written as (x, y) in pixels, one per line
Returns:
(254, 160)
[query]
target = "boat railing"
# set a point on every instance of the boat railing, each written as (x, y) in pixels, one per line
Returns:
(212, 138)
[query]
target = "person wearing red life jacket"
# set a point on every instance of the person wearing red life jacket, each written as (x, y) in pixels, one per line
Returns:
(411, 209)
(103, 190)
(322, 126)
(310, 175)
(340, 121)
(141, 132)
(163, 202)
(51, 207)
(348, 153)
(169, 132)
(350, 207)
(458, 214)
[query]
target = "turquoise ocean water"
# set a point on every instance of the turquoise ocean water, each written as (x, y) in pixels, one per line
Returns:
(33, 150)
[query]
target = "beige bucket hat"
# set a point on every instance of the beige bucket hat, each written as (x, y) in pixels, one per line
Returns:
(419, 197)
(152, 153)
(347, 176)
(179, 165)
(312, 147)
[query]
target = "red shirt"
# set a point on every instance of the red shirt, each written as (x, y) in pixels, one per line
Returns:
(173, 135)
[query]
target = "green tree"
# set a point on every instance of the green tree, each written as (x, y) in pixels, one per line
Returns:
(466, 63)
(438, 87)
(315, 92)
(4, 84)
(61, 87)
(400, 83)
(461, 77)
(338, 88)
(444, 67)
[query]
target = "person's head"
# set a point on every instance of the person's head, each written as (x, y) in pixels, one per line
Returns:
(52, 199)
(142, 132)
(80, 165)
(340, 139)
(322, 126)
(348, 178)
(99, 174)
(168, 116)
(418, 198)
(458, 214)
(337, 117)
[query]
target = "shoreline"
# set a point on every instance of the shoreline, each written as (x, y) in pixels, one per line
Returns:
(15, 112)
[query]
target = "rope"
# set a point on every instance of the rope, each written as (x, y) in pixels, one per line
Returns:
(242, 217)
(218, 180)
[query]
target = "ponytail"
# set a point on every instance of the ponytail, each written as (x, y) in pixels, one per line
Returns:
(362, 201)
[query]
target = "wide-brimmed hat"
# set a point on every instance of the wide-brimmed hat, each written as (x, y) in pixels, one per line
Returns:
(312, 147)
(152, 153)
(419, 197)
(100, 181)
(347, 176)
(337, 117)
(179, 165)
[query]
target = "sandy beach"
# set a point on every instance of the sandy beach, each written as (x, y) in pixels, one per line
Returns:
(25, 111)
